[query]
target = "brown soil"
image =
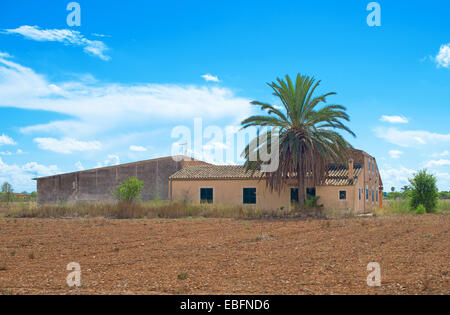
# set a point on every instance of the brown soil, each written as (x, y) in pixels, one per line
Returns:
(214, 256)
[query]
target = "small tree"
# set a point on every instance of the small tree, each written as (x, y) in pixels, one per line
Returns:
(423, 191)
(7, 192)
(129, 190)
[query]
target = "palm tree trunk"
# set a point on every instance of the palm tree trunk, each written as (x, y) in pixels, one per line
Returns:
(301, 189)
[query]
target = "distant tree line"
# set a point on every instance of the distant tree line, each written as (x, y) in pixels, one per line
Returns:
(8, 195)
(403, 194)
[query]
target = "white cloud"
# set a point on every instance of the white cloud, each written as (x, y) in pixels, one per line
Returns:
(111, 160)
(395, 177)
(9, 153)
(65, 36)
(215, 146)
(444, 153)
(79, 166)
(20, 177)
(443, 57)
(394, 119)
(40, 170)
(210, 78)
(118, 105)
(410, 138)
(100, 35)
(5, 140)
(66, 145)
(441, 162)
(137, 148)
(395, 154)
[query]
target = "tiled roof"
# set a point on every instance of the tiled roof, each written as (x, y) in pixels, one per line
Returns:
(337, 176)
(214, 172)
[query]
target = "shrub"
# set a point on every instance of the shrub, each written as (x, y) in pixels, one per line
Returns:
(313, 202)
(424, 191)
(420, 210)
(129, 190)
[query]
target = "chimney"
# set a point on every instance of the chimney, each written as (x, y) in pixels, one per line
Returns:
(351, 173)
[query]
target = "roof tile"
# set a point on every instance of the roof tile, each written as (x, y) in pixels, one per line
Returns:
(337, 176)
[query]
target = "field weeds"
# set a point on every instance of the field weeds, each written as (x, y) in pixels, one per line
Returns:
(174, 210)
(124, 210)
(401, 206)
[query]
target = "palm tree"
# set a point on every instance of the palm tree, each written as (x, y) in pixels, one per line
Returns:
(308, 135)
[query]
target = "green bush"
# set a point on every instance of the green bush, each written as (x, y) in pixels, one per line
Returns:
(129, 190)
(424, 191)
(420, 210)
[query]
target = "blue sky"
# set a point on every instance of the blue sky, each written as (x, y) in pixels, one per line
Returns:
(113, 89)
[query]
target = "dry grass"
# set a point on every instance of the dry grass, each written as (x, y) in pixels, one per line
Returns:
(157, 209)
(444, 205)
(136, 210)
(174, 210)
(401, 206)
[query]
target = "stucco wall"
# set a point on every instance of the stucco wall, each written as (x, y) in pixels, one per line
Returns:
(329, 197)
(96, 185)
(230, 192)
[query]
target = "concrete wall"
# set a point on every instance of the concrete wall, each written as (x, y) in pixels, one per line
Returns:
(96, 185)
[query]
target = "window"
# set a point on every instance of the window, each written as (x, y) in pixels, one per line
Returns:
(206, 195)
(310, 192)
(359, 193)
(373, 195)
(376, 197)
(367, 193)
(249, 196)
(294, 195)
(342, 195)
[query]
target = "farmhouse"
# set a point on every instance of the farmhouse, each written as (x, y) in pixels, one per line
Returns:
(356, 186)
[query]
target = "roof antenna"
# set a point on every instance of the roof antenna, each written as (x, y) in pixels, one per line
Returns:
(184, 145)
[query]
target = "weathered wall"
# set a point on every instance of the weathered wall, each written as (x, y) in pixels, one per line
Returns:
(97, 184)
(371, 181)
(329, 197)
(229, 192)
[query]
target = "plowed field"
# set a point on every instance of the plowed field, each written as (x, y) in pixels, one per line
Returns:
(226, 256)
